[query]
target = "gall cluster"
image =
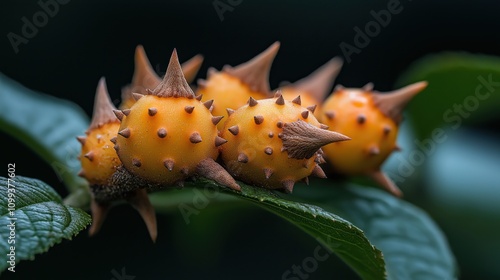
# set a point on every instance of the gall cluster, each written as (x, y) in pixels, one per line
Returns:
(234, 128)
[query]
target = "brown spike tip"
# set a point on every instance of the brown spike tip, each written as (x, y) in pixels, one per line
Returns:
(297, 100)
(288, 185)
(209, 169)
(103, 107)
(383, 180)
(280, 100)
(173, 84)
(252, 102)
(319, 83)
(234, 130)
(81, 139)
(219, 141)
(99, 213)
(195, 138)
(216, 119)
(255, 72)
(140, 201)
(318, 172)
(302, 140)
(242, 158)
(258, 119)
(169, 164)
(393, 103)
(191, 67)
(268, 172)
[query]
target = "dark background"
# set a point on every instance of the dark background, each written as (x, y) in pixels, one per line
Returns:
(89, 39)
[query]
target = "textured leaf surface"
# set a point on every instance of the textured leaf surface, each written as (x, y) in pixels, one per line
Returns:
(48, 126)
(412, 244)
(335, 233)
(41, 219)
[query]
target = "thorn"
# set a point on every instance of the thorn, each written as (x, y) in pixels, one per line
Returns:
(319, 83)
(119, 115)
(268, 151)
(303, 140)
(392, 103)
(382, 179)
(103, 107)
(258, 119)
(330, 115)
(189, 109)
(278, 93)
(268, 172)
(373, 151)
(229, 111)
(323, 126)
(169, 164)
(279, 124)
(126, 112)
(242, 158)
(368, 87)
(252, 102)
(174, 83)
(305, 114)
(312, 108)
(195, 138)
(288, 185)
(136, 162)
(152, 111)
(190, 68)
(198, 97)
(81, 139)
(271, 134)
(234, 130)
(217, 119)
(338, 88)
(113, 140)
(297, 100)
(116, 147)
(211, 71)
(361, 119)
(137, 96)
(255, 72)
(319, 159)
(387, 130)
(99, 213)
(125, 132)
(280, 100)
(318, 172)
(162, 132)
(209, 169)
(81, 173)
(208, 104)
(219, 141)
(180, 184)
(185, 171)
(140, 201)
(306, 180)
(90, 156)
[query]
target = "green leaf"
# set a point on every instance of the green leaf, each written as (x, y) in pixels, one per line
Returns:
(462, 88)
(412, 244)
(48, 126)
(41, 219)
(336, 234)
